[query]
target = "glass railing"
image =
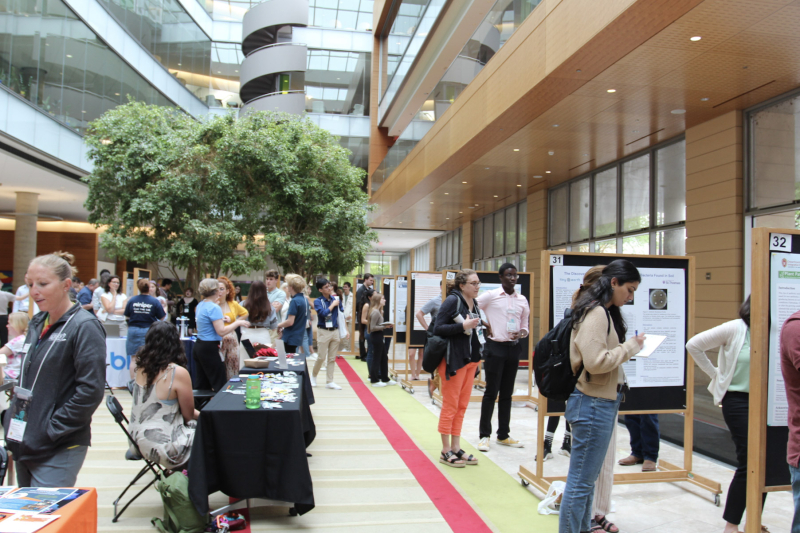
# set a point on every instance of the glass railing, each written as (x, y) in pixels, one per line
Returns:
(499, 24)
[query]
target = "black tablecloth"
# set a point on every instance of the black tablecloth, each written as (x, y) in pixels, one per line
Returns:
(300, 370)
(252, 453)
(188, 348)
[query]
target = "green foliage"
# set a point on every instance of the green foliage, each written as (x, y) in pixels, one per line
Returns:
(219, 195)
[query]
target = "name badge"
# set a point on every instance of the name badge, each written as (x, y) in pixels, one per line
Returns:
(480, 336)
(25, 347)
(511, 325)
(19, 418)
(328, 322)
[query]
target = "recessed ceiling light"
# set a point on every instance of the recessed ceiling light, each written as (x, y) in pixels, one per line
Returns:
(447, 218)
(180, 65)
(611, 91)
(487, 168)
(219, 72)
(555, 125)
(537, 177)
(547, 172)
(431, 202)
(518, 185)
(634, 131)
(704, 99)
(695, 38)
(69, 55)
(678, 111)
(399, 222)
(116, 94)
(461, 212)
(516, 149)
(585, 155)
(476, 205)
(83, 111)
(495, 196)
(446, 193)
(463, 182)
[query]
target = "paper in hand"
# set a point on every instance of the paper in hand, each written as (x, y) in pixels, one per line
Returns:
(651, 343)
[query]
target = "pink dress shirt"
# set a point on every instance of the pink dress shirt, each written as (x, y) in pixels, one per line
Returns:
(498, 307)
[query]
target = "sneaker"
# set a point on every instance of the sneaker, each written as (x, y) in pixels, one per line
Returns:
(510, 442)
(379, 384)
(566, 447)
(391, 382)
(132, 455)
(483, 445)
(313, 381)
(333, 386)
(548, 452)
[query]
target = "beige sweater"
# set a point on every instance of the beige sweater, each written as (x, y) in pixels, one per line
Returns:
(375, 321)
(601, 353)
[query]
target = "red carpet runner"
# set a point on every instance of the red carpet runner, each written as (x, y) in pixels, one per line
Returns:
(460, 516)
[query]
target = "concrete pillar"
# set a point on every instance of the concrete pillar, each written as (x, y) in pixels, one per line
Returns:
(27, 210)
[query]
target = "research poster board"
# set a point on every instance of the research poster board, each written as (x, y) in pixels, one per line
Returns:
(660, 306)
(400, 308)
(423, 286)
(775, 297)
(490, 280)
(388, 308)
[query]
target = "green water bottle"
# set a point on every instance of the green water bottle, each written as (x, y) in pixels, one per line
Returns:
(252, 394)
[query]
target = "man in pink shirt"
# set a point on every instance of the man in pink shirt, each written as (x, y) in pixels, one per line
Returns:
(790, 366)
(507, 312)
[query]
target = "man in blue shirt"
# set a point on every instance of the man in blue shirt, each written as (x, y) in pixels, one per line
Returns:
(328, 309)
(85, 294)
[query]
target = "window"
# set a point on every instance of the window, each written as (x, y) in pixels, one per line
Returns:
(605, 202)
(671, 184)
(636, 205)
(488, 242)
(448, 251)
(522, 226)
(558, 215)
(477, 239)
(636, 193)
(579, 192)
(511, 230)
(499, 222)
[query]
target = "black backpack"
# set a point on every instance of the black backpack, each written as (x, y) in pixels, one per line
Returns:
(551, 365)
(435, 346)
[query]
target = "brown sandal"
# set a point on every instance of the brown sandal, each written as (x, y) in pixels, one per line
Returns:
(605, 525)
(451, 459)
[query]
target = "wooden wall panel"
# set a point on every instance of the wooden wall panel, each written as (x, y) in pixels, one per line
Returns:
(466, 245)
(714, 216)
(82, 245)
(537, 241)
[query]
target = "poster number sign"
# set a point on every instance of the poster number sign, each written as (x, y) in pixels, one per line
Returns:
(556, 260)
(778, 242)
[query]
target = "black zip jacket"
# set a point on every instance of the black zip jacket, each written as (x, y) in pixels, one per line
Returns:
(70, 386)
(463, 349)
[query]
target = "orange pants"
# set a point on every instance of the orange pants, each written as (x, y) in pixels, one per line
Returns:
(455, 397)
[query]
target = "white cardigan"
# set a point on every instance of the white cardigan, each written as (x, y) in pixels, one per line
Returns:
(729, 338)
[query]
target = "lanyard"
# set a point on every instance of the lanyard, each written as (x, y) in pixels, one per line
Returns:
(31, 351)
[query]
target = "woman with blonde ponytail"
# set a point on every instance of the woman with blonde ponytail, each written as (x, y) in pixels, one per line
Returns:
(48, 426)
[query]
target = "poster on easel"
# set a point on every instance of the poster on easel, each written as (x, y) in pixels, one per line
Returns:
(401, 308)
(128, 282)
(423, 286)
(774, 298)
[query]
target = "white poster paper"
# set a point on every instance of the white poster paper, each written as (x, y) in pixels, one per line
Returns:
(390, 285)
(401, 304)
(784, 301)
(659, 307)
(426, 286)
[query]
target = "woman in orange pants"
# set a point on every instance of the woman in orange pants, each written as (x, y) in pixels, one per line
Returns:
(458, 321)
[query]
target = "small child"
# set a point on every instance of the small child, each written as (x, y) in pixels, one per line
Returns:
(12, 351)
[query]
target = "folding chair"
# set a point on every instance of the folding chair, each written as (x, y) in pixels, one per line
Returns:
(119, 417)
(108, 387)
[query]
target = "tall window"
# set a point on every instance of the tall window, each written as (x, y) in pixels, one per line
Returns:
(634, 206)
(448, 251)
(501, 236)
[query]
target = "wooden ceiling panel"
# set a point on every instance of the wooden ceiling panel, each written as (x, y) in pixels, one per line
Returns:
(668, 72)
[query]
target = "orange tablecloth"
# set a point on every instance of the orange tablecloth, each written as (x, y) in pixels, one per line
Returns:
(78, 516)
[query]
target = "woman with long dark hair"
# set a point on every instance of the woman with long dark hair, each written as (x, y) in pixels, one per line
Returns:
(261, 315)
(597, 349)
(730, 387)
(163, 402)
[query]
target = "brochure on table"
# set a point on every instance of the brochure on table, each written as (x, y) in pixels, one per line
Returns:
(658, 308)
(23, 510)
(784, 301)
(24, 523)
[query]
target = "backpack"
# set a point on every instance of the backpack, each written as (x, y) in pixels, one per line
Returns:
(551, 364)
(436, 347)
(180, 514)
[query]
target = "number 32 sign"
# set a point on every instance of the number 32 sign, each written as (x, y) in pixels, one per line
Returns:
(779, 242)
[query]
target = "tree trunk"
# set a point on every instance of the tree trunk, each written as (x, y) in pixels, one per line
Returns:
(192, 278)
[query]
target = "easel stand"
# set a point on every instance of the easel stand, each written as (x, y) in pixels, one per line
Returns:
(667, 472)
(767, 442)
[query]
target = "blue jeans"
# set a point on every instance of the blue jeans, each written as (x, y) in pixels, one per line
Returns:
(645, 436)
(135, 340)
(369, 351)
(796, 493)
(306, 342)
(592, 421)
